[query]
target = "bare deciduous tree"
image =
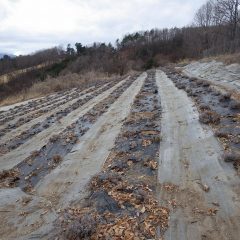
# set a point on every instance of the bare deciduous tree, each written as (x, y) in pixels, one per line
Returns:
(205, 15)
(227, 12)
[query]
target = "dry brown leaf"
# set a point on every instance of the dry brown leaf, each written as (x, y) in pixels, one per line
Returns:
(212, 211)
(146, 142)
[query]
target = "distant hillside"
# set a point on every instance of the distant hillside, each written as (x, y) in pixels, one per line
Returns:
(10, 55)
(9, 65)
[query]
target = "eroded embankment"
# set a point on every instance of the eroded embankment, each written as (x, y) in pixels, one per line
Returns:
(216, 109)
(121, 203)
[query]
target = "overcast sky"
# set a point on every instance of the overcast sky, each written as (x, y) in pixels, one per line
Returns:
(30, 25)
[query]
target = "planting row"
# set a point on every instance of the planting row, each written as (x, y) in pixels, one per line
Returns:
(121, 203)
(216, 109)
(14, 122)
(32, 105)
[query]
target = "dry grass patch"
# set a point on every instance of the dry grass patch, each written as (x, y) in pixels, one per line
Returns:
(209, 117)
(225, 58)
(229, 58)
(184, 62)
(61, 83)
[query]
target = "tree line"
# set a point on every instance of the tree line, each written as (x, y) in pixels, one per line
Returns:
(219, 22)
(215, 30)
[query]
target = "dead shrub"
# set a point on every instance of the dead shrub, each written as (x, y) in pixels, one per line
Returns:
(228, 58)
(100, 179)
(35, 154)
(232, 157)
(209, 117)
(193, 79)
(221, 134)
(204, 107)
(157, 139)
(82, 228)
(8, 173)
(205, 84)
(57, 159)
(234, 105)
(8, 178)
(54, 138)
(225, 97)
(152, 164)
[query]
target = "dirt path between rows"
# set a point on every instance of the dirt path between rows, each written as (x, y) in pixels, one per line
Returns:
(194, 181)
(65, 184)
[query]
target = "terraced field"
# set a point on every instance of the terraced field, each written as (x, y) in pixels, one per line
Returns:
(142, 157)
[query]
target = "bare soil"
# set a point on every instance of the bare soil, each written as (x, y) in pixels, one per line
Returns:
(150, 156)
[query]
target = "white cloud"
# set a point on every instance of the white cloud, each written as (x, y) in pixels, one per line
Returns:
(28, 25)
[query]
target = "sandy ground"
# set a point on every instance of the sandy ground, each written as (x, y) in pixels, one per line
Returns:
(190, 160)
(217, 72)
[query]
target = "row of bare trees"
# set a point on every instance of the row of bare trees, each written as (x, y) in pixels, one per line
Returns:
(215, 30)
(223, 17)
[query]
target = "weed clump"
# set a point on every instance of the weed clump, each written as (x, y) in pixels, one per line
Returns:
(204, 107)
(221, 134)
(225, 97)
(54, 138)
(231, 157)
(35, 154)
(209, 117)
(57, 159)
(8, 178)
(193, 79)
(81, 228)
(234, 105)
